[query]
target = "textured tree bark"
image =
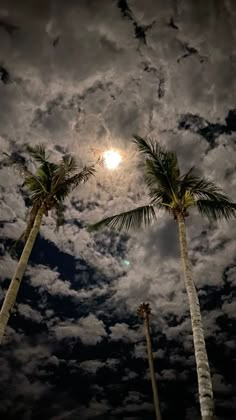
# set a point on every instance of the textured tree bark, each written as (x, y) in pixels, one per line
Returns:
(13, 289)
(203, 370)
(151, 367)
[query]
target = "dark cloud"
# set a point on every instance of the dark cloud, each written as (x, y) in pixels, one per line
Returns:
(8, 27)
(4, 75)
(209, 131)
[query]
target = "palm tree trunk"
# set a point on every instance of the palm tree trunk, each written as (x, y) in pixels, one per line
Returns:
(203, 371)
(11, 294)
(151, 367)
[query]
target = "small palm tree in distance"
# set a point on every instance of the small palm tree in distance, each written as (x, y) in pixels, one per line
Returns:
(144, 312)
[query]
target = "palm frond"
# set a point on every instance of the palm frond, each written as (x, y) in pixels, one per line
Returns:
(69, 163)
(61, 185)
(200, 188)
(160, 167)
(62, 191)
(35, 184)
(133, 219)
(58, 179)
(157, 181)
(150, 175)
(49, 169)
(164, 159)
(150, 148)
(38, 153)
(185, 180)
(40, 184)
(158, 196)
(61, 173)
(44, 176)
(216, 209)
(81, 177)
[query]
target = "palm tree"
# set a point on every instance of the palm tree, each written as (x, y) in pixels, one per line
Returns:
(176, 194)
(48, 188)
(144, 311)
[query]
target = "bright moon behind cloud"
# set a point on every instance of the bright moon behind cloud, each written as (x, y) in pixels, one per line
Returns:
(112, 159)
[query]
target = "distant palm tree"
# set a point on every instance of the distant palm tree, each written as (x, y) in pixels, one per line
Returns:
(144, 311)
(176, 193)
(48, 188)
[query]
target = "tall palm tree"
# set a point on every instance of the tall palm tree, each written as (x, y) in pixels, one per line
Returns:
(176, 194)
(48, 188)
(144, 311)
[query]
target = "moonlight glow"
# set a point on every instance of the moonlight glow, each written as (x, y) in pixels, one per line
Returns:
(111, 159)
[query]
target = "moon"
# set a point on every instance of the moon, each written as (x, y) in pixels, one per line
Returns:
(112, 159)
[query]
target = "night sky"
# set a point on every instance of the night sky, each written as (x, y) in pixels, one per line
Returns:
(82, 77)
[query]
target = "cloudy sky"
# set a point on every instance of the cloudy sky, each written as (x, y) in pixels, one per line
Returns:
(82, 76)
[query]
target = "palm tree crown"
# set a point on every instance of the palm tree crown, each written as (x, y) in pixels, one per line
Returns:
(171, 191)
(144, 310)
(51, 183)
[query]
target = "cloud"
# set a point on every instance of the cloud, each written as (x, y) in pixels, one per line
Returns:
(134, 408)
(95, 409)
(27, 312)
(220, 385)
(121, 331)
(92, 366)
(129, 375)
(89, 329)
(230, 309)
(8, 266)
(140, 351)
(25, 383)
(46, 279)
(168, 374)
